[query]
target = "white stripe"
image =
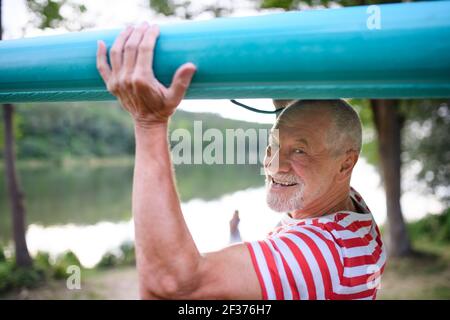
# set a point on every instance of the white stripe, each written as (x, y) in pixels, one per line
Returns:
(280, 268)
(348, 234)
(295, 268)
(326, 219)
(362, 270)
(262, 264)
(315, 270)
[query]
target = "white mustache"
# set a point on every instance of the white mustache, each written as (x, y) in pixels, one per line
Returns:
(286, 178)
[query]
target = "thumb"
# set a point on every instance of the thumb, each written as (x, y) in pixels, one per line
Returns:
(180, 83)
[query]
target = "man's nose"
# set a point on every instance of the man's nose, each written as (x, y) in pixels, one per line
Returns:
(277, 162)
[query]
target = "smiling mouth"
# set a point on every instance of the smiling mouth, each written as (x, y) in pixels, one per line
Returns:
(282, 183)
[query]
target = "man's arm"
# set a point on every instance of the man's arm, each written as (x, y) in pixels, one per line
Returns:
(169, 264)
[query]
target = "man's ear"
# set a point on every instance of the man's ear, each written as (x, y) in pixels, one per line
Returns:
(348, 162)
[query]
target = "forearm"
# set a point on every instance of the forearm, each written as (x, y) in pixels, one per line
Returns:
(165, 248)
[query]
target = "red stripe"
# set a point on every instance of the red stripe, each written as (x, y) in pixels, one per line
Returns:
(377, 231)
(357, 295)
(333, 226)
(258, 271)
(323, 265)
(290, 276)
(354, 242)
(338, 217)
(363, 260)
(273, 270)
(356, 225)
(304, 266)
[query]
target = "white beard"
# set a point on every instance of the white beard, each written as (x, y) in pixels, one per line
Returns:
(285, 203)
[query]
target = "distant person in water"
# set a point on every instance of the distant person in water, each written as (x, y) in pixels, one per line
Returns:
(235, 235)
(328, 245)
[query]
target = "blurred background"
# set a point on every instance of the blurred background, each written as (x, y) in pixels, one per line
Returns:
(66, 170)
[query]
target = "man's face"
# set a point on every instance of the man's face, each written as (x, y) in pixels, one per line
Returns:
(298, 165)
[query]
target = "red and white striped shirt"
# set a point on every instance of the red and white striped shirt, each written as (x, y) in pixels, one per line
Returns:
(337, 256)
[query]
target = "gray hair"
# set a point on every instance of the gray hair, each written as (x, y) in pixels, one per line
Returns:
(346, 131)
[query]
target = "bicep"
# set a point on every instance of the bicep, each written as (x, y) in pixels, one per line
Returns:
(227, 274)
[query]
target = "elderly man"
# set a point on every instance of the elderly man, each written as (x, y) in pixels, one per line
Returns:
(327, 246)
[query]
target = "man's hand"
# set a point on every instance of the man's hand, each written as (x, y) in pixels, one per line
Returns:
(131, 79)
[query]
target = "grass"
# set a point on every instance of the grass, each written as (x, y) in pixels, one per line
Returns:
(426, 273)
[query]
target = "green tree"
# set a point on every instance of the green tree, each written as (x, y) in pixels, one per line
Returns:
(184, 8)
(22, 255)
(426, 140)
(49, 14)
(46, 14)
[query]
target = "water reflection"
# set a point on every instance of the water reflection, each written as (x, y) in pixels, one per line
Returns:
(207, 221)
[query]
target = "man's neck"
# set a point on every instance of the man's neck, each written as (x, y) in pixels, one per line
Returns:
(338, 201)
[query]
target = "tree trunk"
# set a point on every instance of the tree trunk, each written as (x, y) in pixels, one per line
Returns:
(389, 123)
(23, 258)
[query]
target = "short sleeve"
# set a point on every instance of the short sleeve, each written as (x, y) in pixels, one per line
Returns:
(295, 264)
(307, 262)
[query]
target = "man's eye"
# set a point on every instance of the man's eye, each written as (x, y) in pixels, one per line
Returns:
(298, 151)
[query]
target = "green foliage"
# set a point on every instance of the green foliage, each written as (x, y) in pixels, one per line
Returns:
(49, 14)
(124, 256)
(370, 142)
(108, 260)
(185, 9)
(63, 262)
(54, 131)
(47, 11)
(294, 4)
(128, 254)
(282, 4)
(2, 255)
(166, 7)
(427, 140)
(434, 228)
(26, 277)
(42, 261)
(43, 269)
(13, 277)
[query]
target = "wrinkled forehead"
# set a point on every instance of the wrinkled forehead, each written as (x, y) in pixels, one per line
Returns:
(308, 123)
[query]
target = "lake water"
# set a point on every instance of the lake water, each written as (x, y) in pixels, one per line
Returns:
(87, 209)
